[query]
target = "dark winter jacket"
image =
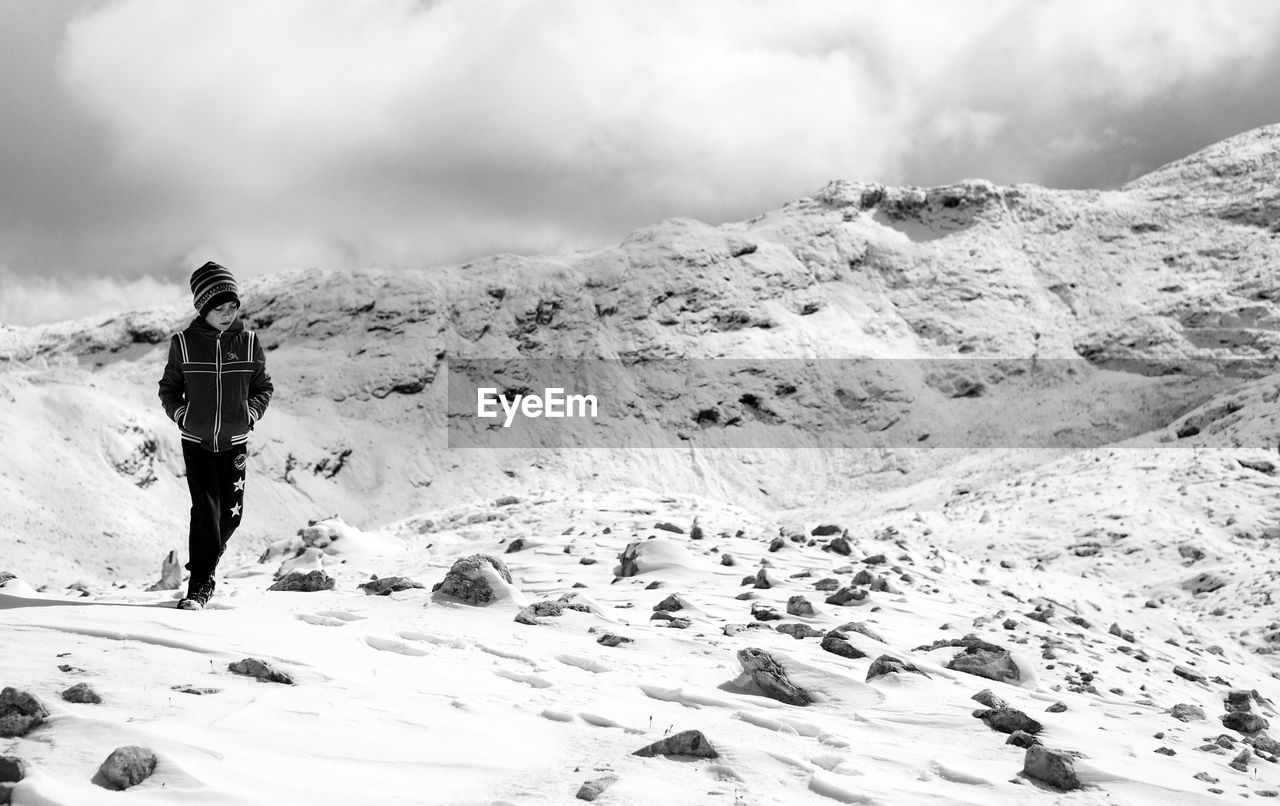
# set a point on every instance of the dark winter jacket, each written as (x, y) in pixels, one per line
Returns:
(215, 385)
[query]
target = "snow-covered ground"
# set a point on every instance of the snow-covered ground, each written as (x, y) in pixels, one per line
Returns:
(419, 698)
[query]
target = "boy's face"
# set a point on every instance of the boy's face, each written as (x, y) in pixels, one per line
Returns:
(222, 316)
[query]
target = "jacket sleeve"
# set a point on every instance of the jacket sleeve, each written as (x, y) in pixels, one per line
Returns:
(173, 387)
(260, 387)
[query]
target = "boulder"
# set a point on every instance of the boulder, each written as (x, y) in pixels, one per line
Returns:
(611, 640)
(669, 604)
(861, 627)
(466, 579)
(519, 544)
(1008, 720)
(839, 545)
(1185, 712)
(995, 665)
(762, 612)
(837, 643)
(888, 664)
(1020, 738)
(849, 596)
(594, 788)
(127, 766)
(12, 769)
(1244, 721)
(544, 609)
(826, 530)
(727, 559)
(684, 743)
(20, 713)
(761, 580)
(799, 631)
(308, 582)
(388, 585)
(1187, 673)
(769, 675)
(988, 698)
(668, 527)
(260, 669)
(1052, 767)
(82, 693)
(799, 606)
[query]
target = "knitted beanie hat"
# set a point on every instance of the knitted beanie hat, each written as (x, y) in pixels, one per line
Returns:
(211, 286)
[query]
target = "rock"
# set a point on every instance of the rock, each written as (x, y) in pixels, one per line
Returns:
(519, 544)
(611, 640)
(762, 612)
(627, 559)
(860, 627)
(695, 531)
(826, 530)
(684, 743)
(1079, 621)
(309, 582)
(799, 606)
(671, 621)
(849, 596)
(1185, 712)
(827, 584)
(799, 631)
(595, 787)
(388, 585)
(1042, 613)
(20, 713)
(1260, 465)
(875, 559)
(888, 664)
(1052, 767)
(1244, 722)
(777, 543)
(1238, 699)
(727, 559)
(1123, 634)
(170, 574)
(127, 766)
(1265, 744)
(1056, 708)
(187, 688)
(669, 527)
(1166, 751)
(506, 501)
(988, 698)
(1241, 761)
(1020, 738)
(771, 677)
(1007, 720)
(544, 609)
(12, 769)
(82, 693)
(1189, 674)
(839, 545)
(994, 664)
(863, 577)
(253, 667)
(837, 643)
(1204, 583)
(466, 579)
(671, 603)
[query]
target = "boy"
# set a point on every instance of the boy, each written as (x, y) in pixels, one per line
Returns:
(216, 388)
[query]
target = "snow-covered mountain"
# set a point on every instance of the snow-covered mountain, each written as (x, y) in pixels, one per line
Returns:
(1062, 435)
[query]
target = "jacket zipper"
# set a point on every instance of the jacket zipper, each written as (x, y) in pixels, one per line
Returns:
(217, 410)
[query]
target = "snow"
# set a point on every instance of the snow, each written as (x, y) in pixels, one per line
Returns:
(418, 698)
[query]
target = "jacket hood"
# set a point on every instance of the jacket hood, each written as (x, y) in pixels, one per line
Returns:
(198, 325)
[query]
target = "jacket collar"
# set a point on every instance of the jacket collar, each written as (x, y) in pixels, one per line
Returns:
(198, 325)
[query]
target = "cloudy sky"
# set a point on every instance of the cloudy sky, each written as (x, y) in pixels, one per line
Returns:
(143, 137)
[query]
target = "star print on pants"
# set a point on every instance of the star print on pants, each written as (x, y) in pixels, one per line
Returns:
(235, 511)
(239, 485)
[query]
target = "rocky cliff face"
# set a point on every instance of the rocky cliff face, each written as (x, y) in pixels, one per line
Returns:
(1090, 314)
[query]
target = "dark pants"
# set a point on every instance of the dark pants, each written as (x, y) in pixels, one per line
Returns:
(216, 481)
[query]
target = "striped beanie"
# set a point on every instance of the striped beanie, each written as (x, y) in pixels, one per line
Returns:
(211, 286)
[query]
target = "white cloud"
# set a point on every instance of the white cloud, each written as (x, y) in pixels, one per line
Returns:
(280, 133)
(34, 300)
